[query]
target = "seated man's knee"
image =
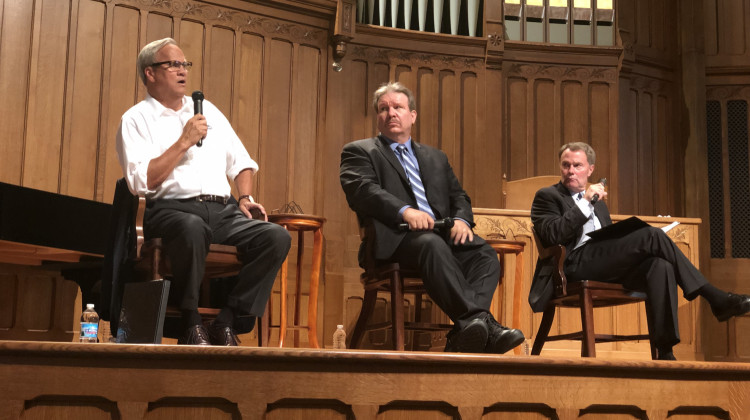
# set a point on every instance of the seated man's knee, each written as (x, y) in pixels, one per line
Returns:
(192, 230)
(278, 238)
(431, 244)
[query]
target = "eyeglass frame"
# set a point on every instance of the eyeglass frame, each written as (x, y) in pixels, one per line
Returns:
(184, 64)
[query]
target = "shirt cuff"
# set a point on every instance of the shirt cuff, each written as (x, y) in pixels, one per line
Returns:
(467, 223)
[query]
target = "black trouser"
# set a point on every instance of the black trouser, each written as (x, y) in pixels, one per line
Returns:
(645, 260)
(460, 279)
(189, 227)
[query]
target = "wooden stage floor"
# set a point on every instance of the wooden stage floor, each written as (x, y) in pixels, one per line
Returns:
(52, 380)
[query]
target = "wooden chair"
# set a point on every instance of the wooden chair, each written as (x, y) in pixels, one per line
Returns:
(585, 295)
(149, 262)
(149, 259)
(519, 194)
(390, 278)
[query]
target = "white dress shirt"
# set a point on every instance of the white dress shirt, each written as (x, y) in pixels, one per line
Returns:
(592, 224)
(149, 128)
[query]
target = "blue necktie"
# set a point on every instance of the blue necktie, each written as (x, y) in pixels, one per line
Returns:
(414, 180)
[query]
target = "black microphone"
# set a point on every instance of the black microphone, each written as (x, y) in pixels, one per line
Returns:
(198, 108)
(439, 224)
(595, 198)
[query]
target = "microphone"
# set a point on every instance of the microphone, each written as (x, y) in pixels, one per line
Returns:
(595, 198)
(198, 108)
(439, 224)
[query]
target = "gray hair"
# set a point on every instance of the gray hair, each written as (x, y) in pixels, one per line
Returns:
(579, 145)
(147, 55)
(393, 87)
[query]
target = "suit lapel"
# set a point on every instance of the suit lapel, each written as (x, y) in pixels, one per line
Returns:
(567, 198)
(385, 149)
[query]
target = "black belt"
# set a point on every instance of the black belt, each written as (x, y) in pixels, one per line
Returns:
(207, 197)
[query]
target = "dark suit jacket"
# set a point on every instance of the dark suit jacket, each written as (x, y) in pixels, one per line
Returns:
(376, 188)
(557, 220)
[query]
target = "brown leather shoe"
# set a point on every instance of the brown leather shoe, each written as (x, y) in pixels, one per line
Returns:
(195, 336)
(222, 335)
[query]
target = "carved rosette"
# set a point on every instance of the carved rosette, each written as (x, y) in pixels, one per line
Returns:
(502, 227)
(606, 74)
(235, 19)
(415, 58)
(495, 39)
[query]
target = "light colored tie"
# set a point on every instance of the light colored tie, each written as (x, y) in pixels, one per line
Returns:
(412, 173)
(589, 226)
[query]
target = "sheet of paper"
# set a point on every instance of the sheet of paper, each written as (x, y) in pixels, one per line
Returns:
(670, 226)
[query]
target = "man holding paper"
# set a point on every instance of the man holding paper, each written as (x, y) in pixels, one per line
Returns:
(642, 259)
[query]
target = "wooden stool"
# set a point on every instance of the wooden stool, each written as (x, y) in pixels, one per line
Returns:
(299, 223)
(502, 247)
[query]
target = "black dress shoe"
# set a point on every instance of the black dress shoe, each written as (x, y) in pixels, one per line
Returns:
(736, 305)
(196, 336)
(222, 335)
(471, 339)
(501, 338)
(666, 356)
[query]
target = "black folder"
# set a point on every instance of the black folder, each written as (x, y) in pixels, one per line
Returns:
(144, 305)
(619, 229)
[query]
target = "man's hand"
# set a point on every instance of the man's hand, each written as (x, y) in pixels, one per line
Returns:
(460, 232)
(418, 220)
(595, 189)
(195, 129)
(246, 207)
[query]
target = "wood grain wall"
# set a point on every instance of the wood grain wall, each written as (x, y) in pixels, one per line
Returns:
(726, 61)
(67, 71)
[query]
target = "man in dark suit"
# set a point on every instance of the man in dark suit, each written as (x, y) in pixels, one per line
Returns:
(391, 179)
(645, 259)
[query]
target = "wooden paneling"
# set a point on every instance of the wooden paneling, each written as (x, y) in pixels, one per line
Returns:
(67, 71)
(37, 304)
(44, 380)
(80, 136)
(120, 86)
(246, 118)
(46, 91)
(304, 117)
(15, 57)
(550, 105)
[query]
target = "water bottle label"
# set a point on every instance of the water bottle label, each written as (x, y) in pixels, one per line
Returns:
(89, 329)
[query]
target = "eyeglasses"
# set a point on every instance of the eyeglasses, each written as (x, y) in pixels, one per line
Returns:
(174, 65)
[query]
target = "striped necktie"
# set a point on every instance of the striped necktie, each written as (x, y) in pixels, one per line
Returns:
(414, 179)
(589, 226)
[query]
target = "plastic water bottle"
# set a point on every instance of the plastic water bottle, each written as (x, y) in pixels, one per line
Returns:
(89, 325)
(339, 337)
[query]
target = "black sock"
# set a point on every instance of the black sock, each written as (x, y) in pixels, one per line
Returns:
(716, 298)
(190, 317)
(225, 317)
